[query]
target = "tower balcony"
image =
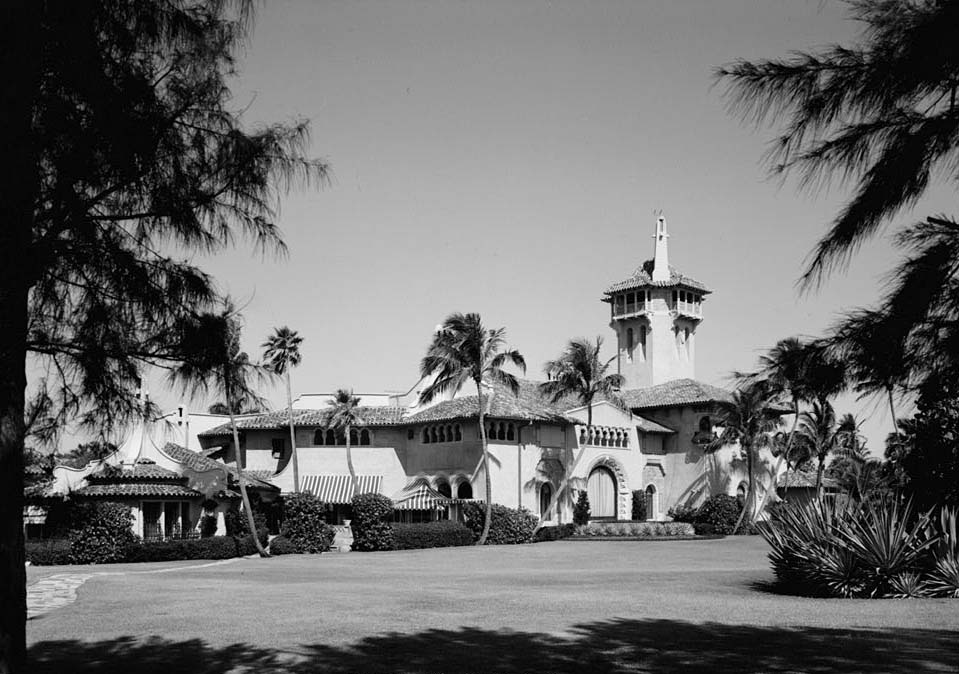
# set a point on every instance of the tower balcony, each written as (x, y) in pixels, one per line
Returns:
(631, 309)
(692, 310)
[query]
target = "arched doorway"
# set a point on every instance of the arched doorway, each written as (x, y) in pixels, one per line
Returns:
(545, 496)
(601, 490)
(652, 503)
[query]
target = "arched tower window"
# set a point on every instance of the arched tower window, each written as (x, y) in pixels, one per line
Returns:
(629, 342)
(464, 490)
(642, 342)
(364, 437)
(318, 437)
(330, 437)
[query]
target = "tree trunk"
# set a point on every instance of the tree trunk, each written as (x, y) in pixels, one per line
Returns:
(567, 476)
(289, 407)
(819, 471)
(242, 479)
(748, 501)
(20, 41)
(895, 421)
(488, 518)
(349, 462)
(785, 456)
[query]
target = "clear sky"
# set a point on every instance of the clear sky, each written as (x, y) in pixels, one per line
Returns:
(506, 158)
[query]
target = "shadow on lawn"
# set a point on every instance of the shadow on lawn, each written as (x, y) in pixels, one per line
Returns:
(605, 647)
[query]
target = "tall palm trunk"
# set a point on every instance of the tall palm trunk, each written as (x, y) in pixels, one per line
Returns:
(349, 462)
(289, 407)
(239, 470)
(819, 473)
(748, 501)
(488, 518)
(783, 457)
(892, 411)
(567, 475)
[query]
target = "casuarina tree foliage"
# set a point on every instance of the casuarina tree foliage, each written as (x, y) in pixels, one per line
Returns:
(124, 157)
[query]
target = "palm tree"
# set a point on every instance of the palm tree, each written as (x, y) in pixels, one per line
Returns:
(819, 429)
(344, 416)
(747, 420)
(856, 472)
(580, 372)
(464, 350)
(282, 354)
(221, 408)
(214, 362)
(881, 114)
(783, 367)
(873, 344)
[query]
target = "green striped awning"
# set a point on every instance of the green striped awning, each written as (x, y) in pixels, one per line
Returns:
(339, 488)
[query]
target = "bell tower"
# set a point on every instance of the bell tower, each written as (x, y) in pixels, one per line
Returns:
(654, 314)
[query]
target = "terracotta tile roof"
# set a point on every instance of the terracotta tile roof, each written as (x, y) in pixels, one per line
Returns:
(196, 461)
(145, 470)
(527, 405)
(137, 489)
(643, 277)
(650, 426)
(675, 393)
(278, 419)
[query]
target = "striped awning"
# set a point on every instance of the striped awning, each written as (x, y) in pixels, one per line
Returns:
(418, 497)
(339, 488)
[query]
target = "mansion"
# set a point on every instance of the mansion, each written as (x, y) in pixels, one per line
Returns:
(428, 458)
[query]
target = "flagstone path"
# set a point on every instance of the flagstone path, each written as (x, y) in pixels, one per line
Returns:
(60, 590)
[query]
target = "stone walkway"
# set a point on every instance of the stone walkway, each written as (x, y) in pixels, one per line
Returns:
(60, 590)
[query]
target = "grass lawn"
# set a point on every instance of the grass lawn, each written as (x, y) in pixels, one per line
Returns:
(690, 606)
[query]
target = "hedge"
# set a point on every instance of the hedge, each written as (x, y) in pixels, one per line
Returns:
(370, 525)
(442, 534)
(507, 526)
(554, 533)
(636, 529)
(102, 531)
(48, 552)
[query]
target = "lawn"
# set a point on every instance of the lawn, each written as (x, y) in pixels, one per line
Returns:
(692, 606)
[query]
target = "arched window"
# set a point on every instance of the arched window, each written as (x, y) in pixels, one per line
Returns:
(601, 490)
(340, 438)
(705, 425)
(629, 342)
(652, 503)
(434, 436)
(364, 437)
(441, 432)
(642, 342)
(741, 493)
(444, 488)
(545, 496)
(330, 437)
(354, 437)
(318, 437)
(510, 432)
(449, 433)
(426, 436)
(464, 490)
(410, 434)
(458, 432)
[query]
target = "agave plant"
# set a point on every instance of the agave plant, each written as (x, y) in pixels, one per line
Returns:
(944, 577)
(888, 540)
(908, 585)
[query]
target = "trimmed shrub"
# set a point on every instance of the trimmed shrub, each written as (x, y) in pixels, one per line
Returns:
(102, 532)
(719, 511)
(507, 526)
(48, 552)
(554, 533)
(581, 508)
(639, 506)
(214, 547)
(237, 525)
(282, 546)
(304, 524)
(682, 513)
(442, 534)
(636, 529)
(371, 525)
